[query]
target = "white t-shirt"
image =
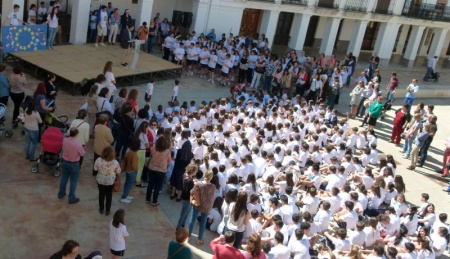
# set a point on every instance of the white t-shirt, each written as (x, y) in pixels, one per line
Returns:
(322, 219)
(357, 237)
(117, 237)
(253, 227)
(13, 18)
(281, 251)
(333, 181)
(30, 14)
(226, 66)
(109, 78)
(149, 90)
(215, 216)
(350, 218)
(286, 213)
(212, 61)
(411, 224)
(41, 12)
(175, 90)
(179, 54)
(439, 243)
(300, 248)
(169, 41)
(143, 140)
(103, 19)
(93, 22)
(371, 236)
(52, 23)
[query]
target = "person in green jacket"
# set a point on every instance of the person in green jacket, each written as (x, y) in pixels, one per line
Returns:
(375, 112)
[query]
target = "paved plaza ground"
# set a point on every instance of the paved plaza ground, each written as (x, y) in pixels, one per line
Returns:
(34, 223)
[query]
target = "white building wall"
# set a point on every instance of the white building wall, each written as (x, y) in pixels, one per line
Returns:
(225, 19)
(346, 30)
(321, 25)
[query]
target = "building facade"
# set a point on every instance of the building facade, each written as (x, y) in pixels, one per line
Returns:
(410, 28)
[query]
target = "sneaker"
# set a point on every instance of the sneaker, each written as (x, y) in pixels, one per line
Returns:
(96, 44)
(209, 80)
(129, 197)
(125, 200)
(402, 151)
(102, 44)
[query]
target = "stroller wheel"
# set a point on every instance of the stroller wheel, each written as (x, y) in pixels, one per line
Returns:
(382, 118)
(35, 169)
(9, 133)
(55, 172)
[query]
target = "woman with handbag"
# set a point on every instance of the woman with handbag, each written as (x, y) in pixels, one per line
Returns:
(420, 140)
(238, 217)
(356, 97)
(243, 66)
(126, 130)
(188, 184)
(141, 136)
(202, 200)
(176, 248)
(182, 159)
(108, 169)
(158, 164)
(413, 128)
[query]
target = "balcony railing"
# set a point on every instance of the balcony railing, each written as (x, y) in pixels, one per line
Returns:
(333, 4)
(356, 5)
(433, 12)
(385, 7)
(295, 2)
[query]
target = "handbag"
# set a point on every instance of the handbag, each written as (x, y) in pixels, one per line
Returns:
(195, 196)
(103, 112)
(117, 184)
(366, 103)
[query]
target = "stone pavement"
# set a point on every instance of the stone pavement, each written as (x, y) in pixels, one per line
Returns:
(34, 222)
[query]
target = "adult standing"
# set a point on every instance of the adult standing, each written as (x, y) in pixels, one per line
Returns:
(114, 21)
(418, 144)
(142, 34)
(151, 36)
(375, 112)
(356, 97)
(108, 169)
(351, 69)
(411, 93)
(32, 121)
(110, 81)
(424, 150)
(168, 45)
(431, 67)
(402, 117)
(260, 67)
(102, 26)
(392, 87)
(17, 90)
(212, 35)
(207, 193)
(83, 129)
(52, 21)
(126, 130)
(366, 93)
(103, 104)
(160, 159)
(110, 9)
(188, 184)
(72, 151)
(125, 40)
(182, 159)
(41, 103)
(51, 90)
(446, 161)
(103, 137)
(125, 20)
(238, 218)
(92, 109)
(177, 249)
(69, 250)
(373, 64)
(4, 86)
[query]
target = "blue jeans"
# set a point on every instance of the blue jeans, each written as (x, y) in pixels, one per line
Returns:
(390, 95)
(129, 182)
(361, 107)
(51, 37)
(203, 218)
(428, 74)
(69, 170)
(409, 101)
(31, 140)
(424, 151)
(184, 213)
(238, 240)
(122, 144)
(155, 182)
(150, 42)
(267, 82)
(407, 147)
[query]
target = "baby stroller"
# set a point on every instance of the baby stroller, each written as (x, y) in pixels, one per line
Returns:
(51, 140)
(387, 106)
(237, 87)
(60, 122)
(8, 132)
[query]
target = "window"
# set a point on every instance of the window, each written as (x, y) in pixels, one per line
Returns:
(134, 1)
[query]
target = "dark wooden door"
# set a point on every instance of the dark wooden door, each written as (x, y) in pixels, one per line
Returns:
(383, 6)
(326, 3)
(283, 28)
(250, 22)
(309, 40)
(370, 36)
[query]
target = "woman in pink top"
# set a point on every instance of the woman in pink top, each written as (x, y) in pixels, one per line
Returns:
(160, 159)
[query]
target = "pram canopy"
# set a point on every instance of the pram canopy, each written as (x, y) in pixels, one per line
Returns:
(52, 140)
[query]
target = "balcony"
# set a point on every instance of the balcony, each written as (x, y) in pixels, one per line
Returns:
(433, 12)
(385, 7)
(295, 2)
(331, 4)
(356, 6)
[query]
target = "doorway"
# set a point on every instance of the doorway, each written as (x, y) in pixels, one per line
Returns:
(283, 29)
(370, 36)
(251, 19)
(309, 39)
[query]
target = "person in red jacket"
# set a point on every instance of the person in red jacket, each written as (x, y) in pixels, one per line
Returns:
(225, 251)
(402, 117)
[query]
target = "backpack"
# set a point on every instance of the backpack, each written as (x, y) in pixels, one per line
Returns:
(195, 196)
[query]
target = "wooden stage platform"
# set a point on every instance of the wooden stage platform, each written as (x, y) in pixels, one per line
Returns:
(73, 64)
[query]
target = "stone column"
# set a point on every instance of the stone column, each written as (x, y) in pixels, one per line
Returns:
(359, 29)
(413, 44)
(8, 6)
(269, 24)
(402, 39)
(438, 42)
(384, 45)
(300, 23)
(329, 36)
(79, 22)
(144, 12)
(200, 11)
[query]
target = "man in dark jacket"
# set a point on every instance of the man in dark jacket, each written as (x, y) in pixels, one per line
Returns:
(125, 40)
